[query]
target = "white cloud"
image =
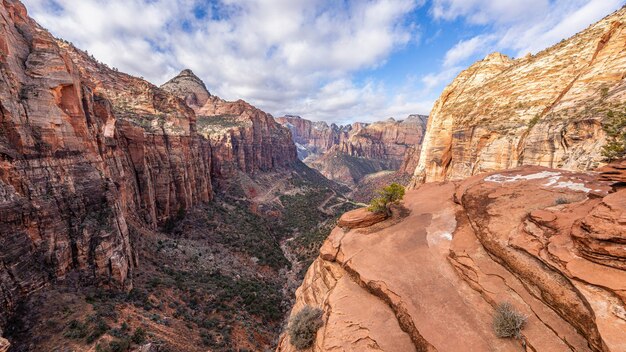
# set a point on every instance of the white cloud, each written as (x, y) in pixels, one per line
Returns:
(466, 49)
(521, 25)
(489, 11)
(301, 57)
(443, 77)
(280, 55)
(518, 26)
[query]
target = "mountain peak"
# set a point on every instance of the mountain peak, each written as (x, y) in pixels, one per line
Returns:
(497, 57)
(187, 72)
(189, 87)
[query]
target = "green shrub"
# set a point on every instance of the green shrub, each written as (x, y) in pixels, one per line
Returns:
(386, 196)
(615, 128)
(507, 322)
(139, 336)
(75, 330)
(561, 200)
(303, 327)
(534, 121)
(99, 328)
(119, 345)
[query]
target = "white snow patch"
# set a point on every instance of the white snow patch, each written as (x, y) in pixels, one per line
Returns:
(499, 178)
(552, 180)
(300, 146)
(573, 186)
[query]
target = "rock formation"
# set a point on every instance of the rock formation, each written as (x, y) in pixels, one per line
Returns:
(349, 153)
(242, 137)
(548, 241)
(189, 87)
(313, 138)
(86, 151)
(545, 109)
(60, 169)
(360, 218)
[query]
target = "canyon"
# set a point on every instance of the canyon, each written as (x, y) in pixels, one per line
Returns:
(348, 154)
(135, 217)
(119, 199)
(506, 205)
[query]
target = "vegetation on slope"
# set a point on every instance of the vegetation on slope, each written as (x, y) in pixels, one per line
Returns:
(615, 128)
(216, 274)
(303, 327)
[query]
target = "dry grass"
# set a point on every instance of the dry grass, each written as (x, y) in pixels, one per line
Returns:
(303, 327)
(507, 322)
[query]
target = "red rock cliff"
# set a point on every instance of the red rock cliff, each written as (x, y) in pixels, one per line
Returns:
(545, 109)
(431, 276)
(83, 149)
(383, 140)
(349, 153)
(388, 140)
(313, 138)
(242, 137)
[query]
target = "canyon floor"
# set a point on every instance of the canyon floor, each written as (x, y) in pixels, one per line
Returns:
(221, 275)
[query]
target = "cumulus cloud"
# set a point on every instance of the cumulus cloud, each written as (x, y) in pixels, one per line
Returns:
(282, 55)
(309, 57)
(466, 49)
(525, 26)
(517, 26)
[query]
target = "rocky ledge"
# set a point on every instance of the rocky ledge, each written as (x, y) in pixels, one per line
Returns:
(360, 218)
(548, 241)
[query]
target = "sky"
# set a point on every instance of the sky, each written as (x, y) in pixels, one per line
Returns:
(333, 60)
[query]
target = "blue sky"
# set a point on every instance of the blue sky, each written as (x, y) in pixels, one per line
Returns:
(332, 60)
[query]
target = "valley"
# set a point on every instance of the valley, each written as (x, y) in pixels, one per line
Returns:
(146, 218)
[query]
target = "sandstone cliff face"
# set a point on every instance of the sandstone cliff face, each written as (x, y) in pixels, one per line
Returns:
(162, 165)
(545, 109)
(242, 137)
(431, 275)
(313, 138)
(385, 140)
(59, 204)
(348, 153)
(83, 148)
(189, 87)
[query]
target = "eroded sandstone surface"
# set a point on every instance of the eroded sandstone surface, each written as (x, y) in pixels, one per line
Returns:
(548, 241)
(545, 109)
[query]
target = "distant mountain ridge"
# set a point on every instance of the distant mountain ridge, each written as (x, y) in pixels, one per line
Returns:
(348, 153)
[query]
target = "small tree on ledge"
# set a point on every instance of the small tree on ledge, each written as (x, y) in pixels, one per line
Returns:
(387, 196)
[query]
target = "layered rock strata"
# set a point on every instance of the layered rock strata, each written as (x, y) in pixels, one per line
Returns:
(242, 137)
(61, 209)
(313, 138)
(349, 153)
(85, 151)
(545, 109)
(383, 140)
(547, 241)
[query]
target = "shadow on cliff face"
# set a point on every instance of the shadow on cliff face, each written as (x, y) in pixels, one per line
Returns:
(220, 276)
